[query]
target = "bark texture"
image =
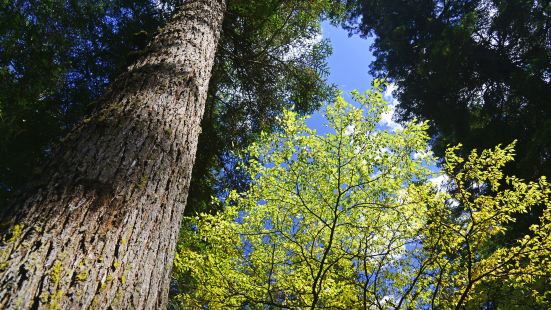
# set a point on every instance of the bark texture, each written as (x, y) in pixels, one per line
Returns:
(100, 229)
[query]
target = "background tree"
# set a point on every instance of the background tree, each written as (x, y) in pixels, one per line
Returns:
(479, 70)
(469, 269)
(271, 56)
(350, 220)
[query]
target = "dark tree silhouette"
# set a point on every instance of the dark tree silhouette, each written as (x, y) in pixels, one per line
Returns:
(480, 70)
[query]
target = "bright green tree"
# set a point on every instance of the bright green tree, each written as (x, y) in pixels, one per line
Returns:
(464, 262)
(479, 70)
(350, 219)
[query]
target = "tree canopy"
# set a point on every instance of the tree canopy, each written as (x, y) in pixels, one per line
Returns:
(57, 57)
(352, 220)
(479, 70)
(356, 218)
(271, 56)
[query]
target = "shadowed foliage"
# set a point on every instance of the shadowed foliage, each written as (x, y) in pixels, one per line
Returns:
(57, 57)
(478, 70)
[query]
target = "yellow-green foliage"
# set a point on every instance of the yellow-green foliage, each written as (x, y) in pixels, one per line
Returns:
(351, 219)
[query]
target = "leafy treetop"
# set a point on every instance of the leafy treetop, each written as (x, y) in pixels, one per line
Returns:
(351, 220)
(479, 70)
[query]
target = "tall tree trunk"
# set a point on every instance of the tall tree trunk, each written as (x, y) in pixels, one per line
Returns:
(100, 229)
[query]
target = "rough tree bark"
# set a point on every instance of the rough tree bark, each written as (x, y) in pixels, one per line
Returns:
(100, 229)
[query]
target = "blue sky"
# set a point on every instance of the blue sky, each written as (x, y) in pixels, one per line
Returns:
(349, 70)
(348, 66)
(349, 63)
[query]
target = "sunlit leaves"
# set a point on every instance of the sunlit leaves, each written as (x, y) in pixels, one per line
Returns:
(350, 219)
